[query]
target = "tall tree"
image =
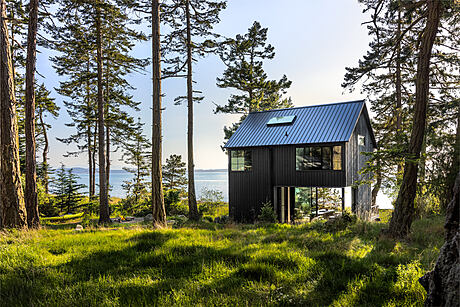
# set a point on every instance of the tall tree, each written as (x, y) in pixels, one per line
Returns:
(192, 22)
(244, 56)
(31, 199)
(401, 219)
(174, 173)
(158, 204)
(45, 105)
(104, 213)
(137, 153)
(13, 212)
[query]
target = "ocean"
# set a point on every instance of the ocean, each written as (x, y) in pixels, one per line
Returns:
(209, 179)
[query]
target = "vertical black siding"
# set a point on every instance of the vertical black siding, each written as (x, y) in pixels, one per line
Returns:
(356, 161)
(248, 190)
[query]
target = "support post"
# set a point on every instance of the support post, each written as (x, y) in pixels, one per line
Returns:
(275, 200)
(289, 205)
(282, 205)
(316, 195)
(343, 200)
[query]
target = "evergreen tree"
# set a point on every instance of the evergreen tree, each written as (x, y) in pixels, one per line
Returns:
(244, 57)
(137, 153)
(45, 106)
(410, 121)
(12, 210)
(31, 199)
(67, 190)
(191, 37)
(174, 173)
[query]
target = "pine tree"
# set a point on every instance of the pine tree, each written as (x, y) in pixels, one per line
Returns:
(67, 190)
(174, 173)
(192, 22)
(12, 210)
(137, 153)
(31, 199)
(244, 57)
(45, 106)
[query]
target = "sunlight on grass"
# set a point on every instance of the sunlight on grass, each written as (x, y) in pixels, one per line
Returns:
(204, 265)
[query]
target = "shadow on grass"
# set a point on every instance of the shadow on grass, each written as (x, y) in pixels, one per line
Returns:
(152, 268)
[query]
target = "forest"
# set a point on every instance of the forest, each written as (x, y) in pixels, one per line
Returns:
(163, 244)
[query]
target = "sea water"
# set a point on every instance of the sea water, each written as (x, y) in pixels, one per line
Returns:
(209, 179)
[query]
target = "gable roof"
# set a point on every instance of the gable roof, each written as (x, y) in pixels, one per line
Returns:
(326, 123)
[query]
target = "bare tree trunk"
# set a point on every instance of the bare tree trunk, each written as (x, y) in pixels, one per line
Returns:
(95, 135)
(13, 211)
(375, 192)
(192, 206)
(158, 205)
(104, 214)
(45, 153)
(398, 86)
(402, 217)
(33, 220)
(107, 125)
(88, 133)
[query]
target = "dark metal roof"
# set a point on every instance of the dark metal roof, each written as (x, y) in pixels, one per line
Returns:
(325, 123)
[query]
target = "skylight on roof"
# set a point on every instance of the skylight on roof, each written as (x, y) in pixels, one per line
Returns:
(281, 120)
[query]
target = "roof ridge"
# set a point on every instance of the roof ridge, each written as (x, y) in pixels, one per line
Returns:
(313, 106)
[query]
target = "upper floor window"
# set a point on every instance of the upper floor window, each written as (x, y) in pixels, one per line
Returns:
(319, 158)
(241, 160)
(361, 140)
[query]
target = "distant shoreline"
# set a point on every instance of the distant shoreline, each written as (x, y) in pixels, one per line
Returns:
(82, 170)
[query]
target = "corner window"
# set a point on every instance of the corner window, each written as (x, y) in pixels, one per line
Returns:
(337, 158)
(241, 160)
(361, 140)
(319, 158)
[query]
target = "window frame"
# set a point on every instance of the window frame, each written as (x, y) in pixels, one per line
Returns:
(244, 153)
(321, 168)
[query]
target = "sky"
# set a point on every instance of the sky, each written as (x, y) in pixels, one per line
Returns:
(314, 41)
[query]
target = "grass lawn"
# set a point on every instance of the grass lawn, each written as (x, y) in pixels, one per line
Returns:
(208, 264)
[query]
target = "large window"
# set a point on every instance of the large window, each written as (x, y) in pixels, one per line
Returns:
(319, 158)
(241, 160)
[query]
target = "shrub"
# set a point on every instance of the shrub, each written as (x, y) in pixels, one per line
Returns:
(267, 213)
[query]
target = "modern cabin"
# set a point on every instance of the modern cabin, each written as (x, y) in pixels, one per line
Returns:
(302, 161)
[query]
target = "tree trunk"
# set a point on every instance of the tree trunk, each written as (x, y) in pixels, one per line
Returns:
(375, 192)
(455, 166)
(31, 200)
(45, 154)
(158, 205)
(107, 124)
(442, 284)
(95, 135)
(192, 206)
(398, 86)
(88, 133)
(104, 214)
(401, 219)
(13, 211)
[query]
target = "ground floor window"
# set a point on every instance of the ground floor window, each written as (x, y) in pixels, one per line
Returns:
(311, 202)
(241, 160)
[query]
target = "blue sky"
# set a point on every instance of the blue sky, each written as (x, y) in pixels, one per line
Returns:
(314, 42)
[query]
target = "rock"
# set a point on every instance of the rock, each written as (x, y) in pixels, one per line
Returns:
(442, 284)
(172, 222)
(79, 228)
(148, 217)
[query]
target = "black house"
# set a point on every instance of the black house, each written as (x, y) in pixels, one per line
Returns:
(275, 154)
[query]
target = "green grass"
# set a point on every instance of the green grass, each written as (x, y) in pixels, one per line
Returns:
(209, 264)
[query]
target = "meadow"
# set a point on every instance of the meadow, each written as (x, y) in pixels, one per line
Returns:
(216, 265)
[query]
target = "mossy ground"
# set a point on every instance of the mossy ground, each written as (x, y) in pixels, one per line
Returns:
(210, 264)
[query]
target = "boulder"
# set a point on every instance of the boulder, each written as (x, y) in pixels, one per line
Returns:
(148, 217)
(78, 228)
